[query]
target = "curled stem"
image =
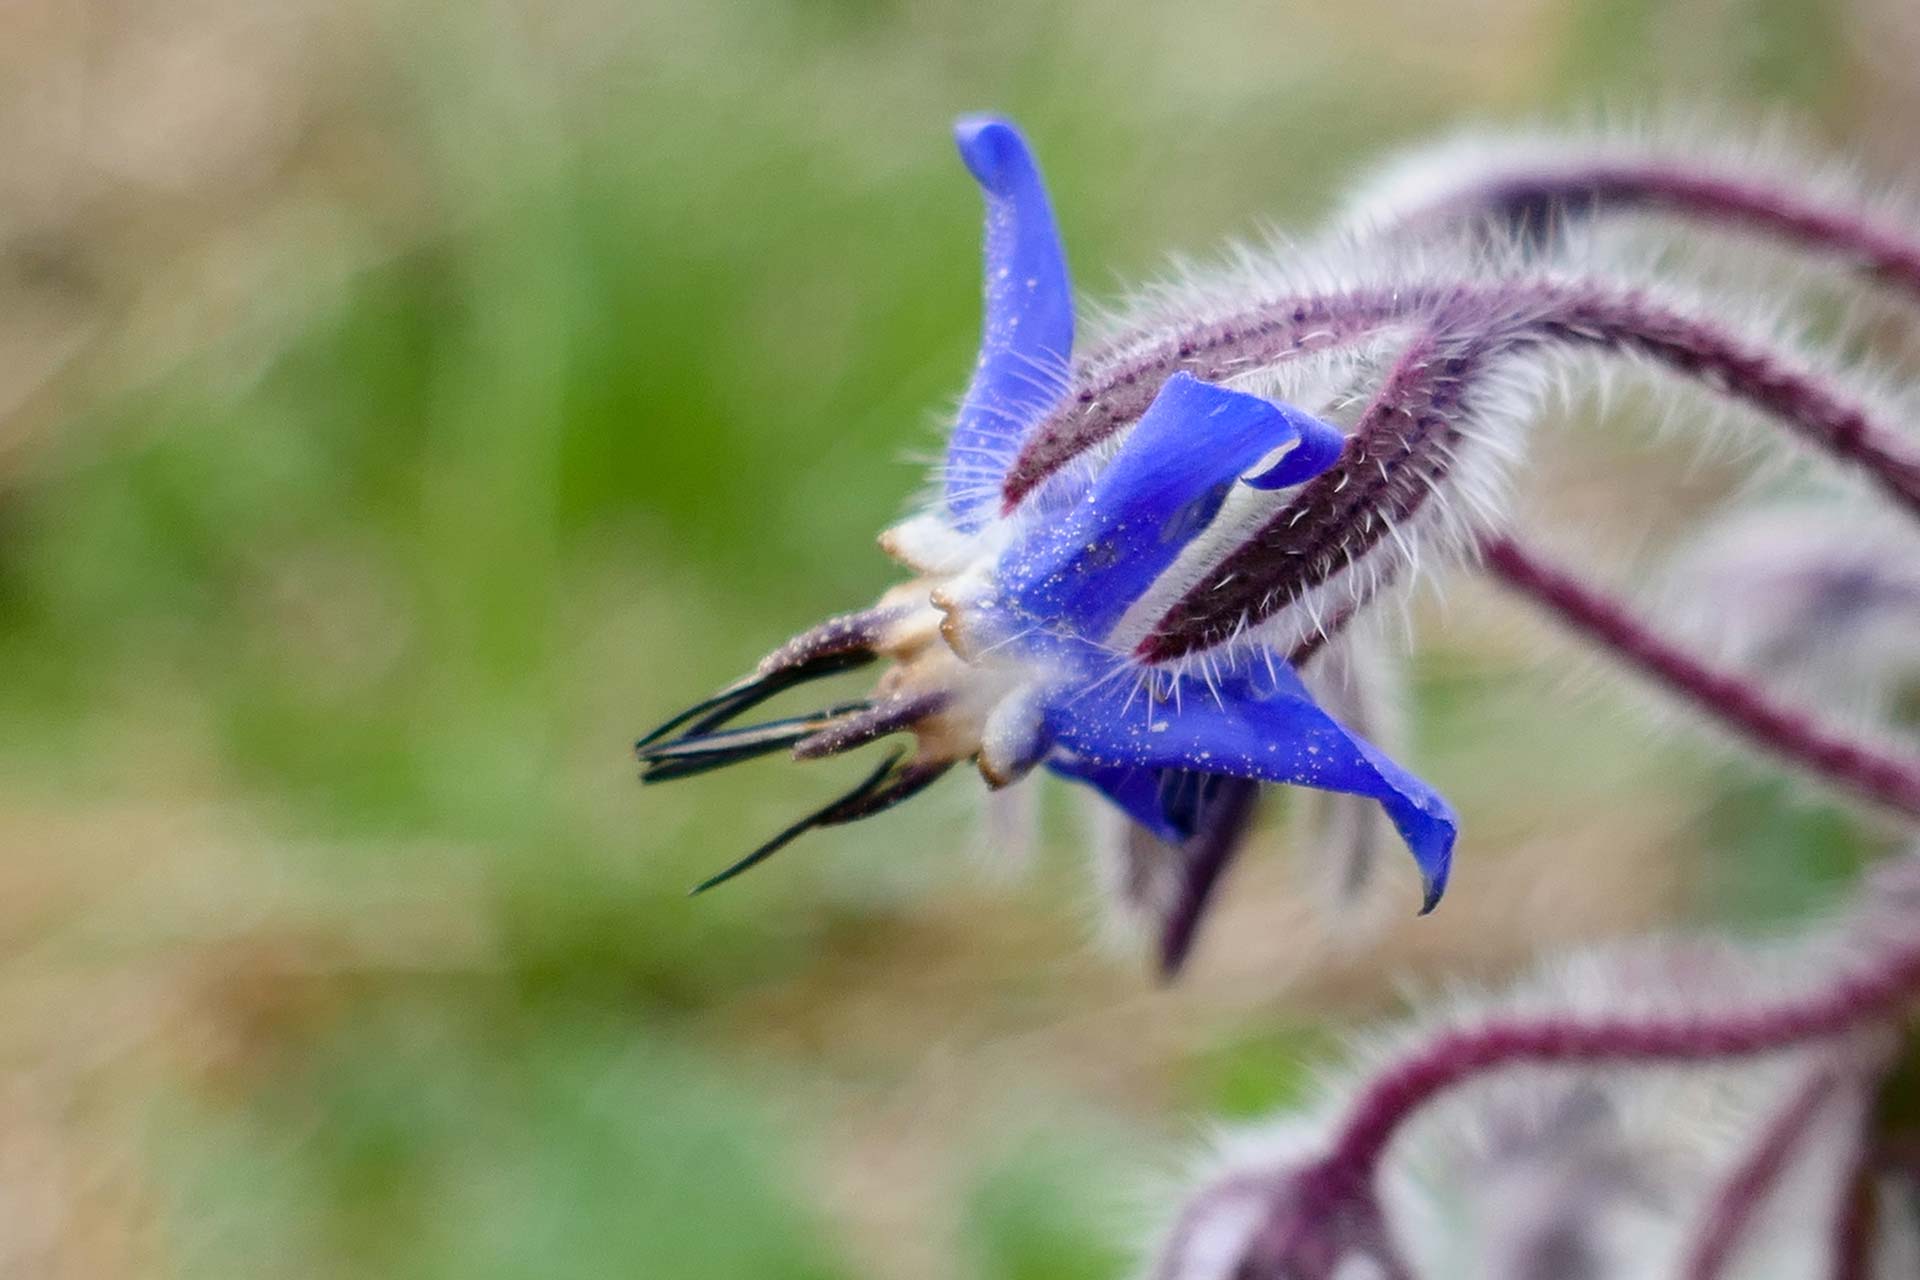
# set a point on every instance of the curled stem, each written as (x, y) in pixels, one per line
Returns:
(1531, 200)
(1852, 999)
(1791, 733)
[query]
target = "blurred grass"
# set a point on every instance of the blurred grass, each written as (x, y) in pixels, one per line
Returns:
(549, 364)
(556, 1147)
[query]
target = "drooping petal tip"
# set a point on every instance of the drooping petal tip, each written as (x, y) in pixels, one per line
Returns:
(1273, 734)
(995, 152)
(1436, 864)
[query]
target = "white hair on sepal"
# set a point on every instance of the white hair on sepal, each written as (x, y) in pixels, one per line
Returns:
(1322, 384)
(1515, 395)
(1448, 527)
(1248, 274)
(1446, 530)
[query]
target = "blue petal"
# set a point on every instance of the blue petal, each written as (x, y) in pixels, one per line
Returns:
(1164, 486)
(1276, 734)
(1168, 802)
(1135, 791)
(1319, 448)
(1027, 338)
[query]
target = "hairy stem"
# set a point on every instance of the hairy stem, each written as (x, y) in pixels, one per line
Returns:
(1229, 1193)
(1404, 445)
(1533, 202)
(1790, 733)
(1848, 1001)
(1116, 386)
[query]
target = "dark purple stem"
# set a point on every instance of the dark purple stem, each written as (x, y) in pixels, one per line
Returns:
(1738, 1201)
(1791, 733)
(1854, 1213)
(1328, 1210)
(1322, 1217)
(1853, 1000)
(1531, 203)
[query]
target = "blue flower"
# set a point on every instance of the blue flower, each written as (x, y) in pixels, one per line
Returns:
(1014, 649)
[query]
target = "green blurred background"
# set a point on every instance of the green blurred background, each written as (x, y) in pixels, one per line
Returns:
(402, 404)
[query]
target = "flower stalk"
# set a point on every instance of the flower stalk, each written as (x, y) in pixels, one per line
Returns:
(1534, 201)
(1740, 1199)
(1793, 734)
(1321, 1213)
(1853, 998)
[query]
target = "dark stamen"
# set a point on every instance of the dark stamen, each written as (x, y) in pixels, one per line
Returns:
(850, 635)
(836, 645)
(689, 744)
(857, 803)
(779, 682)
(906, 784)
(683, 757)
(723, 700)
(877, 721)
(742, 696)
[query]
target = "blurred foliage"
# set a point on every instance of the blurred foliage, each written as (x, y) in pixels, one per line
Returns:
(1797, 856)
(554, 1147)
(1263, 1071)
(564, 358)
(1050, 1210)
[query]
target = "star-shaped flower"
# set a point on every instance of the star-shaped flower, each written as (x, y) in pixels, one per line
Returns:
(1018, 646)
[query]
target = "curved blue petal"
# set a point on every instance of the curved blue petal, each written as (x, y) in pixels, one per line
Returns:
(1164, 486)
(1319, 448)
(1027, 336)
(1276, 734)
